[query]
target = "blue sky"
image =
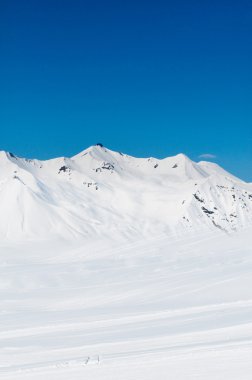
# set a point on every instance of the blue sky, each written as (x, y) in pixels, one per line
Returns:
(149, 78)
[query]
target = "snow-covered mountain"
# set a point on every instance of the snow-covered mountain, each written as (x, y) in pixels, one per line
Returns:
(100, 192)
(120, 268)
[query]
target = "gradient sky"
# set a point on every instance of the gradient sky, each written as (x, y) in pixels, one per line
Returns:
(149, 78)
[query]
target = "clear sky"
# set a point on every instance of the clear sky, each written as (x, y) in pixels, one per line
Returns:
(149, 78)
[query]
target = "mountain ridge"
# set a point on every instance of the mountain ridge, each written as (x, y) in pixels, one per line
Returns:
(99, 191)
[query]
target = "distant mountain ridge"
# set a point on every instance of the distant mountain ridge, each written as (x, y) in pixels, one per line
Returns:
(99, 192)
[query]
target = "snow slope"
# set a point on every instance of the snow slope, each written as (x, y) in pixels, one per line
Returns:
(165, 307)
(119, 268)
(100, 190)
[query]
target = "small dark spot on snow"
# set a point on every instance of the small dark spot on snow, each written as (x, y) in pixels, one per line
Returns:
(64, 168)
(218, 226)
(198, 198)
(175, 166)
(108, 166)
(206, 211)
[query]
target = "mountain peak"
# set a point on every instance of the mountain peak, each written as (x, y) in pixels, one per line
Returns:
(100, 190)
(4, 154)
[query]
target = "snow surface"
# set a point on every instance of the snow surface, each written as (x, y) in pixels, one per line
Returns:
(113, 267)
(100, 190)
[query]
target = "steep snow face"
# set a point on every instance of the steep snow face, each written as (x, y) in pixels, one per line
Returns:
(100, 192)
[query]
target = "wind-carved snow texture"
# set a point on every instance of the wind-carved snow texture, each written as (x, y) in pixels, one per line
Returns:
(119, 268)
(136, 196)
(166, 306)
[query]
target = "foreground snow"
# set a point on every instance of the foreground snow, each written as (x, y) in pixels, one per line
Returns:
(167, 307)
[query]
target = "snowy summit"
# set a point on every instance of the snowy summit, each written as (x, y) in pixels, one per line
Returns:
(99, 190)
